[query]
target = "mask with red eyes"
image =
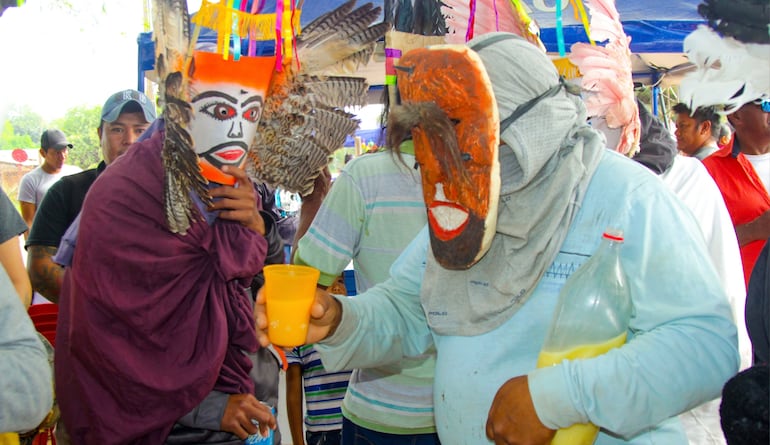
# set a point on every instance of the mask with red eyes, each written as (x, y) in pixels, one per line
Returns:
(227, 98)
(460, 170)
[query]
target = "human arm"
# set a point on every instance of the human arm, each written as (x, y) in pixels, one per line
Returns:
(239, 203)
(27, 394)
(231, 413)
(28, 210)
(390, 314)
(682, 341)
(333, 238)
(45, 275)
(27, 198)
(10, 250)
(757, 229)
(55, 215)
(294, 402)
(11, 260)
(310, 205)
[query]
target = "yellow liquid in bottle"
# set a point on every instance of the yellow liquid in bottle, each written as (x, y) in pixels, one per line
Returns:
(9, 439)
(580, 433)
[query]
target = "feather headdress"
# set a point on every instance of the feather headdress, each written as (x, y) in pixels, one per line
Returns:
(468, 18)
(171, 33)
(607, 78)
(417, 26)
(730, 69)
(304, 118)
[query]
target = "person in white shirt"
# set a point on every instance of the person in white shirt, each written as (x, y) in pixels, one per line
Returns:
(691, 183)
(54, 149)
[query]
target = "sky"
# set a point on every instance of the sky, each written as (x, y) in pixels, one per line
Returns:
(58, 56)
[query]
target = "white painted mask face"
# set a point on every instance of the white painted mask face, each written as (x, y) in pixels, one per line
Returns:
(227, 99)
(224, 122)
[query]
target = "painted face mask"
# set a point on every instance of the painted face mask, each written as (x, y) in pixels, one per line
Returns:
(227, 98)
(460, 170)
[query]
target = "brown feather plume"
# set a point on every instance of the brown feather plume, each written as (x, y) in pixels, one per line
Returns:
(171, 31)
(304, 119)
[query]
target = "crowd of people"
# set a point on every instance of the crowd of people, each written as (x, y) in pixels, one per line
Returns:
(461, 232)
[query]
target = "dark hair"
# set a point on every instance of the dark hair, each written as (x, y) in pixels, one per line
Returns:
(701, 115)
(744, 409)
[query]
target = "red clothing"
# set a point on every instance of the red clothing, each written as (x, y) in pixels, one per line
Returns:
(745, 196)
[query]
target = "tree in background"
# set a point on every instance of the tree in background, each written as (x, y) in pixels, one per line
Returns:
(22, 129)
(79, 124)
(10, 140)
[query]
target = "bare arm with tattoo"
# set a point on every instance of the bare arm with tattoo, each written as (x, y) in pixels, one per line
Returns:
(46, 276)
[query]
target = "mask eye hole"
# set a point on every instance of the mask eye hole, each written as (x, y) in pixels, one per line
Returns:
(219, 111)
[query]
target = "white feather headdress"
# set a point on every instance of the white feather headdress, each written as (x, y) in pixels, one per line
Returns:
(731, 55)
(727, 71)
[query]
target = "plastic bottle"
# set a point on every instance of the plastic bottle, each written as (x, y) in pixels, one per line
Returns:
(257, 439)
(591, 317)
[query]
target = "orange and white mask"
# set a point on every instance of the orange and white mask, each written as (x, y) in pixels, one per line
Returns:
(460, 169)
(227, 98)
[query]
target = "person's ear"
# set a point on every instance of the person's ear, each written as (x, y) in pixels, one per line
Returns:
(705, 128)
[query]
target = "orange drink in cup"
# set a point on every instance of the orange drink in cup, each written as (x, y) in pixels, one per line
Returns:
(289, 293)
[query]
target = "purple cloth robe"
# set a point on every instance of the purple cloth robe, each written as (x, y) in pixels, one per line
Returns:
(150, 322)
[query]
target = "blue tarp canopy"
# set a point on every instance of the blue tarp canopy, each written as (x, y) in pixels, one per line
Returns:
(655, 26)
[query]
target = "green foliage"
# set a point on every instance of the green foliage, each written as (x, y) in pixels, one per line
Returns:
(10, 140)
(27, 123)
(79, 124)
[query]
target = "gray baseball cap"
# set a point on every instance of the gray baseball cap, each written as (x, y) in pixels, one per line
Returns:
(136, 101)
(53, 138)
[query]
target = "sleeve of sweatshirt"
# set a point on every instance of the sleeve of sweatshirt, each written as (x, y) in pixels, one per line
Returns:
(25, 374)
(387, 322)
(682, 343)
(330, 242)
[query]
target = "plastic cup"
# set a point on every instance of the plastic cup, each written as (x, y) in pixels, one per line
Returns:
(289, 294)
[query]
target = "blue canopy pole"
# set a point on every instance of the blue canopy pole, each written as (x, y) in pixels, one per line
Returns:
(655, 92)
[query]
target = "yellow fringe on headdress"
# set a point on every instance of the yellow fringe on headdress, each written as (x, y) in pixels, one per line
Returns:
(566, 68)
(220, 18)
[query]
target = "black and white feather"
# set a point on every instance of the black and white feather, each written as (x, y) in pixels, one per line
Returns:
(305, 118)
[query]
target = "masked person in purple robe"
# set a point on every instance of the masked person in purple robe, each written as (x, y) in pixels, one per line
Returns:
(156, 342)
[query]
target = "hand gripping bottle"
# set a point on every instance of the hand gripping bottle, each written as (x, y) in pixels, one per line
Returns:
(591, 317)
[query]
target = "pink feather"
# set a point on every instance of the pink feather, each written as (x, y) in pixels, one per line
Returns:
(491, 16)
(607, 75)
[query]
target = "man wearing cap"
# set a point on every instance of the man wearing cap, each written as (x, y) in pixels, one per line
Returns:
(125, 115)
(53, 149)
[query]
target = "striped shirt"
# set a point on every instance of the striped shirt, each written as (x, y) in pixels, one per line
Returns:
(323, 391)
(373, 210)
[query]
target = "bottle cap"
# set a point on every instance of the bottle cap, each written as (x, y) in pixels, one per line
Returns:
(613, 234)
